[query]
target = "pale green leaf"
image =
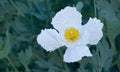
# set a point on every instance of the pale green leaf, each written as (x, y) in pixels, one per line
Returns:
(105, 54)
(108, 10)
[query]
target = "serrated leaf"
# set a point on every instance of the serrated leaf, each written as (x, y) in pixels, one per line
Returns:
(24, 58)
(6, 49)
(105, 54)
(23, 7)
(107, 10)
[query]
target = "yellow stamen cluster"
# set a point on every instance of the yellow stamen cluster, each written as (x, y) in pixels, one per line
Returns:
(72, 34)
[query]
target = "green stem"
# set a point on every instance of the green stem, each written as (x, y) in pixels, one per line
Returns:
(12, 64)
(48, 12)
(95, 8)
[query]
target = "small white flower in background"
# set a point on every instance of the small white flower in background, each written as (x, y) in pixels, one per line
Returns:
(70, 33)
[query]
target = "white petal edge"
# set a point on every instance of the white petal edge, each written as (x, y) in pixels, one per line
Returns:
(94, 26)
(49, 39)
(66, 17)
(76, 54)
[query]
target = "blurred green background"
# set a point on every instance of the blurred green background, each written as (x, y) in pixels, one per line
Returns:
(22, 20)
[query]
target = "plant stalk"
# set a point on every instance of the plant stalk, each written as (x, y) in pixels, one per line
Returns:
(12, 63)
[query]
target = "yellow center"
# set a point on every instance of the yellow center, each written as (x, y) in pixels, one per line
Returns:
(72, 34)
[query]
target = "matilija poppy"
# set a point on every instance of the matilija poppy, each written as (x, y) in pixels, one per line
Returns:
(71, 33)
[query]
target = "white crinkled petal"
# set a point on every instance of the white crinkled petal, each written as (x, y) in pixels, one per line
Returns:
(49, 39)
(84, 36)
(76, 54)
(94, 26)
(66, 17)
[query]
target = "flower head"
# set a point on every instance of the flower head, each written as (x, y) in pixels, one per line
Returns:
(72, 34)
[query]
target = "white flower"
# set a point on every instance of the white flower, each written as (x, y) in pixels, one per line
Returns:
(70, 33)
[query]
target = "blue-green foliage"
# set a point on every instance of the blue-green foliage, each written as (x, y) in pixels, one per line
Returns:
(22, 20)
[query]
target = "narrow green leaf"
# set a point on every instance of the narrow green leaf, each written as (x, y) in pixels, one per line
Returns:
(42, 64)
